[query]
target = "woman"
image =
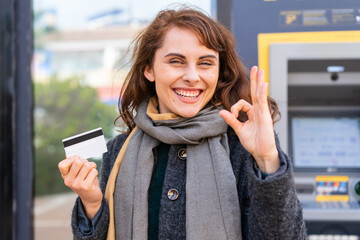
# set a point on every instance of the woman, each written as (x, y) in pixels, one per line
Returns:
(200, 160)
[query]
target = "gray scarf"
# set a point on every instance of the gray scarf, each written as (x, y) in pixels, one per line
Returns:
(209, 173)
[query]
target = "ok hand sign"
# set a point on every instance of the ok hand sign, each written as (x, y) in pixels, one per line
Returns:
(257, 133)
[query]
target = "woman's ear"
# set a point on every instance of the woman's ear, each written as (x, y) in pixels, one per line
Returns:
(149, 73)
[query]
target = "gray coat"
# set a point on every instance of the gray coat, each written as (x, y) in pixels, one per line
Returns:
(269, 206)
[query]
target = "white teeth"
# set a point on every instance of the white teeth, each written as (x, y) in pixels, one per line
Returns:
(188, 94)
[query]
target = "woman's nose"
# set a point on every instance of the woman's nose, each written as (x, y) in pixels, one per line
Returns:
(191, 74)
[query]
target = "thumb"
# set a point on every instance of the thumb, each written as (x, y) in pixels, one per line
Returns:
(231, 120)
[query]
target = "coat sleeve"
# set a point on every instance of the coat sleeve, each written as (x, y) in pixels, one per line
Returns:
(82, 227)
(269, 206)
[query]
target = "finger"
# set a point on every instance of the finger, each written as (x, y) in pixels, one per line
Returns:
(65, 165)
(74, 171)
(260, 80)
(253, 83)
(241, 105)
(84, 171)
(82, 175)
(262, 91)
(91, 178)
(231, 120)
(263, 94)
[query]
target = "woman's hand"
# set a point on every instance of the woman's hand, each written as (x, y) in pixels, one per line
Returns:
(257, 133)
(81, 176)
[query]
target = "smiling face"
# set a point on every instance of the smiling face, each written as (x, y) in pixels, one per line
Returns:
(185, 73)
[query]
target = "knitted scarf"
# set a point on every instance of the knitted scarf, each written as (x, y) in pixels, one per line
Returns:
(212, 206)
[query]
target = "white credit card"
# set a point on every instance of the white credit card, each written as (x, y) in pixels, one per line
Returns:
(86, 145)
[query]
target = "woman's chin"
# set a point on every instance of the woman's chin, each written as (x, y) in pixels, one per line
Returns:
(188, 113)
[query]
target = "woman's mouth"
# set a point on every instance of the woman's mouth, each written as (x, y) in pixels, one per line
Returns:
(188, 94)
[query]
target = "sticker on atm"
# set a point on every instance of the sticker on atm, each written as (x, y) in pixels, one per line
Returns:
(332, 188)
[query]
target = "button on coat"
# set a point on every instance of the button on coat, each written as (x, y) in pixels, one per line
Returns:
(173, 194)
(182, 154)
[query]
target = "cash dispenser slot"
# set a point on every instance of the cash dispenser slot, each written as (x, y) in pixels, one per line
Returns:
(304, 188)
(328, 96)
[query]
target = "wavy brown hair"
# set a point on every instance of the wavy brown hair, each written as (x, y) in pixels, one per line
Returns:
(233, 83)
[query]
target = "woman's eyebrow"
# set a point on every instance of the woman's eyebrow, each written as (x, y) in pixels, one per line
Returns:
(208, 56)
(182, 56)
(175, 54)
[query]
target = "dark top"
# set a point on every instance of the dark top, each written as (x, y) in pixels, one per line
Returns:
(155, 190)
(269, 207)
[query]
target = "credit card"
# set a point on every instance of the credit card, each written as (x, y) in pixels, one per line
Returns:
(87, 145)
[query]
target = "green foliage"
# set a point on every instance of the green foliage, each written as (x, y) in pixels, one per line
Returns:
(63, 108)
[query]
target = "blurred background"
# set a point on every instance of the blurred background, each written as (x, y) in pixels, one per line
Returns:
(81, 56)
(62, 64)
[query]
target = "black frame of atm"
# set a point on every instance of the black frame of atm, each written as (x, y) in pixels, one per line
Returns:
(317, 113)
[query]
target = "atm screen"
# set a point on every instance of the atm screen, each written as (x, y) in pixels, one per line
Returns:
(323, 142)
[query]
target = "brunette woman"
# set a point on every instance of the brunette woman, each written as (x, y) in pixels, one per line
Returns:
(200, 159)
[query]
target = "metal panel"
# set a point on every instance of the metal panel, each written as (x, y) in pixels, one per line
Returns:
(6, 118)
(16, 152)
(224, 12)
(276, 16)
(23, 149)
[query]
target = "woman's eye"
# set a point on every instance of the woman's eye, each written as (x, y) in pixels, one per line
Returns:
(206, 63)
(175, 61)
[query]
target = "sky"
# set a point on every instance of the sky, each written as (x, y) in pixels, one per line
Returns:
(72, 14)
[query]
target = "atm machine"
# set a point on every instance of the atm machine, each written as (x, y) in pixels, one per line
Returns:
(317, 88)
